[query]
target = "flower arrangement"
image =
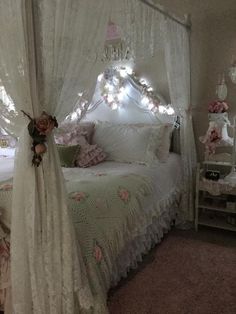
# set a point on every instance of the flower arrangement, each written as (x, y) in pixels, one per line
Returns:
(38, 129)
(211, 139)
(217, 106)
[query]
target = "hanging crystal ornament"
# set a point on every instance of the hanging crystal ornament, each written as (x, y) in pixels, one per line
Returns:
(232, 72)
(221, 88)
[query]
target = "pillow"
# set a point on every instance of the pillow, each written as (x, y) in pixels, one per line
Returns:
(68, 133)
(68, 155)
(89, 155)
(163, 147)
(128, 143)
(163, 150)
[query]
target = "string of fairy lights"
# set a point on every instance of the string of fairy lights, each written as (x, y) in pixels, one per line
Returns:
(113, 85)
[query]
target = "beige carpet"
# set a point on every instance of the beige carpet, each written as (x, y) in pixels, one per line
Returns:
(188, 273)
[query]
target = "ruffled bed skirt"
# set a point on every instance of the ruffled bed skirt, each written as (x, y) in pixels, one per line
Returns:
(149, 234)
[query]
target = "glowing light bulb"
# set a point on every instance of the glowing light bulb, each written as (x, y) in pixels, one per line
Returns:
(162, 109)
(100, 77)
(109, 87)
(129, 70)
(143, 81)
(74, 116)
(110, 98)
(144, 100)
(123, 72)
(170, 110)
(149, 89)
(114, 106)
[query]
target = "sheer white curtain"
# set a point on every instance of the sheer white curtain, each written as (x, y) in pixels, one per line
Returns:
(140, 27)
(48, 275)
(177, 55)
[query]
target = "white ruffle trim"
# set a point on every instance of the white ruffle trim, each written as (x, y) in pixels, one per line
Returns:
(149, 232)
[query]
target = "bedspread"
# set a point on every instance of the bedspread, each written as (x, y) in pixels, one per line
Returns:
(110, 207)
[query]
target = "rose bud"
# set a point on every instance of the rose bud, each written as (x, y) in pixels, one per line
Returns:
(40, 149)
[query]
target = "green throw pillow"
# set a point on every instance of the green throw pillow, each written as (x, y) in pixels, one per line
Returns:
(68, 155)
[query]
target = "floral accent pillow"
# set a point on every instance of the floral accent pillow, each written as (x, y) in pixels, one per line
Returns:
(89, 155)
(69, 133)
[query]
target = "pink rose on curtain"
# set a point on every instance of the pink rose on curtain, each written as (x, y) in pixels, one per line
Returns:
(45, 124)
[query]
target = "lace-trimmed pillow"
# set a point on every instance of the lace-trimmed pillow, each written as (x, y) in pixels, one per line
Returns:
(129, 143)
(89, 155)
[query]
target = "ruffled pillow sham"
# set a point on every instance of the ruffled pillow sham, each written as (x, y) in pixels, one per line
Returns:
(129, 143)
(89, 155)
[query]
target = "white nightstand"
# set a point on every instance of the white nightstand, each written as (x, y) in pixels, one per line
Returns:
(215, 203)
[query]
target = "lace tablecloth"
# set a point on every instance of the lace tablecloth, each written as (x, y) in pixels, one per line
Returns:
(217, 187)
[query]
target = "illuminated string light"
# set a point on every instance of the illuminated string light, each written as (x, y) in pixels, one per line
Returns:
(112, 86)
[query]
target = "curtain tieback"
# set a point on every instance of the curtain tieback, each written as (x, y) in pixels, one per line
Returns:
(38, 129)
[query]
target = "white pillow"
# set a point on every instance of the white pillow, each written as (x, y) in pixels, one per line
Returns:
(164, 139)
(163, 149)
(129, 143)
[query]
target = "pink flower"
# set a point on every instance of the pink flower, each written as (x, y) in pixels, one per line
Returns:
(124, 195)
(218, 106)
(211, 139)
(214, 135)
(80, 196)
(97, 253)
(45, 124)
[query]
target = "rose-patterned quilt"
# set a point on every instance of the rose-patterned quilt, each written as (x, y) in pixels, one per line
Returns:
(109, 209)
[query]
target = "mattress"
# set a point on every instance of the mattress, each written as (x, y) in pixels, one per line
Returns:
(119, 212)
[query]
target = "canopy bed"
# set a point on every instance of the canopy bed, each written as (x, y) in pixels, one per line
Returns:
(65, 255)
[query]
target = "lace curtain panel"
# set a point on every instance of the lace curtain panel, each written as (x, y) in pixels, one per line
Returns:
(140, 27)
(177, 55)
(50, 55)
(48, 275)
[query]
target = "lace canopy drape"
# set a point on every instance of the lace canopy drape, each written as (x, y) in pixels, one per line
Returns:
(177, 55)
(48, 275)
(50, 53)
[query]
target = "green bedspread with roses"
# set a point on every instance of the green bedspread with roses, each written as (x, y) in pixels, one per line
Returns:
(105, 210)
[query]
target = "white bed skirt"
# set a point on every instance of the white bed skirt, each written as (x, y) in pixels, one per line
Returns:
(148, 235)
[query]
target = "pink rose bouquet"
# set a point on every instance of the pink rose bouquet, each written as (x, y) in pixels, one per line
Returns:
(218, 106)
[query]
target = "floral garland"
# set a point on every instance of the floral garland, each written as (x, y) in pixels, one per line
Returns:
(38, 129)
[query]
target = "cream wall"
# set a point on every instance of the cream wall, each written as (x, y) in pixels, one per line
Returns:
(213, 41)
